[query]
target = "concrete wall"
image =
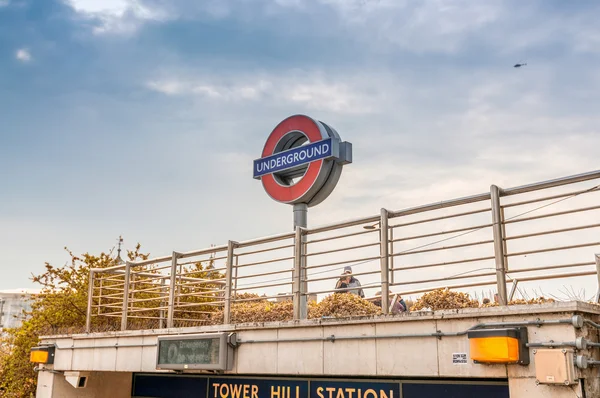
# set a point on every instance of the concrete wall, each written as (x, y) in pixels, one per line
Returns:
(100, 385)
(389, 357)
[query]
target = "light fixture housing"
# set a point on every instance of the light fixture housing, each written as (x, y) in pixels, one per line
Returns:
(499, 346)
(42, 354)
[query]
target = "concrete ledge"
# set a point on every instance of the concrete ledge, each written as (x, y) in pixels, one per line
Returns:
(467, 313)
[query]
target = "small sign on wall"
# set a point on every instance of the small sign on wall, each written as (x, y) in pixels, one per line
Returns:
(459, 358)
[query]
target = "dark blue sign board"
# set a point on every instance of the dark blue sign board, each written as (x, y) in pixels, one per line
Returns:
(295, 157)
(199, 386)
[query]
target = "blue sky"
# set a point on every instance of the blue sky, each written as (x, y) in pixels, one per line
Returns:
(142, 117)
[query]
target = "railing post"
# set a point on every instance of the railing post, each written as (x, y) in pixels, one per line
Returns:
(125, 296)
(161, 313)
(597, 257)
(299, 293)
(88, 316)
(385, 268)
(499, 254)
(228, 282)
(391, 256)
(172, 287)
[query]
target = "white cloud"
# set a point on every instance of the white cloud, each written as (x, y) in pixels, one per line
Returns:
(309, 91)
(4, 3)
(117, 16)
(23, 55)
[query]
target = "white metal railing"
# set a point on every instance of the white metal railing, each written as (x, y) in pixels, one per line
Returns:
(520, 235)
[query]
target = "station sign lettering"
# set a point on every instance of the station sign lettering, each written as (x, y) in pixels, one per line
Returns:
(257, 388)
(348, 389)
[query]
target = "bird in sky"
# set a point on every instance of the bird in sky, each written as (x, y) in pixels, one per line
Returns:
(519, 65)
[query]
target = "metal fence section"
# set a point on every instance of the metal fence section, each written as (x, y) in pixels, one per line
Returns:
(515, 236)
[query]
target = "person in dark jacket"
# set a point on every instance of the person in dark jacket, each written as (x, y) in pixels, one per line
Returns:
(399, 306)
(347, 281)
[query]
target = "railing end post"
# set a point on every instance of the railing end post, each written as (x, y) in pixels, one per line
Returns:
(385, 257)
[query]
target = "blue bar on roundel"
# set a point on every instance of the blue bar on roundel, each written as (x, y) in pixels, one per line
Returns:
(296, 157)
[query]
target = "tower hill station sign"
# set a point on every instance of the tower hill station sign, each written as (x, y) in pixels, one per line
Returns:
(301, 163)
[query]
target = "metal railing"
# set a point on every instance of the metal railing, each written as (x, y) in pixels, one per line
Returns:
(514, 235)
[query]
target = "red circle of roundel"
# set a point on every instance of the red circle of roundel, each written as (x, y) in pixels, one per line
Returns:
(292, 193)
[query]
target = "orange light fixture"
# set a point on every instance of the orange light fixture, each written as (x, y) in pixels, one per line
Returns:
(499, 346)
(42, 354)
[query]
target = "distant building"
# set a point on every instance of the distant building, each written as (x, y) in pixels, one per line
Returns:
(12, 304)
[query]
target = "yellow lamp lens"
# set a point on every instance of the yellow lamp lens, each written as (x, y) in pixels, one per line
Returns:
(494, 349)
(38, 356)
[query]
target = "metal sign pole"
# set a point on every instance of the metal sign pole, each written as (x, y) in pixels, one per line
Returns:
(301, 221)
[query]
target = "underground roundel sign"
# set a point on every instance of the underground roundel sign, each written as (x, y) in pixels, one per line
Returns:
(302, 161)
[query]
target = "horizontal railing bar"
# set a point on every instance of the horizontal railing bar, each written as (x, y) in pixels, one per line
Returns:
(466, 213)
(111, 268)
(264, 250)
(406, 253)
(199, 261)
(265, 240)
(558, 213)
(152, 269)
(450, 231)
(198, 281)
(202, 284)
(206, 271)
(133, 300)
(572, 265)
(263, 274)
(107, 306)
(339, 276)
(243, 288)
(111, 278)
(552, 249)
(552, 231)
(143, 279)
(347, 248)
(208, 304)
(592, 175)
(467, 260)
(365, 259)
(441, 205)
(465, 276)
(210, 250)
(150, 289)
(151, 261)
(132, 310)
(265, 262)
(367, 231)
(493, 282)
(144, 274)
(111, 297)
(205, 293)
(118, 289)
(344, 224)
(545, 198)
